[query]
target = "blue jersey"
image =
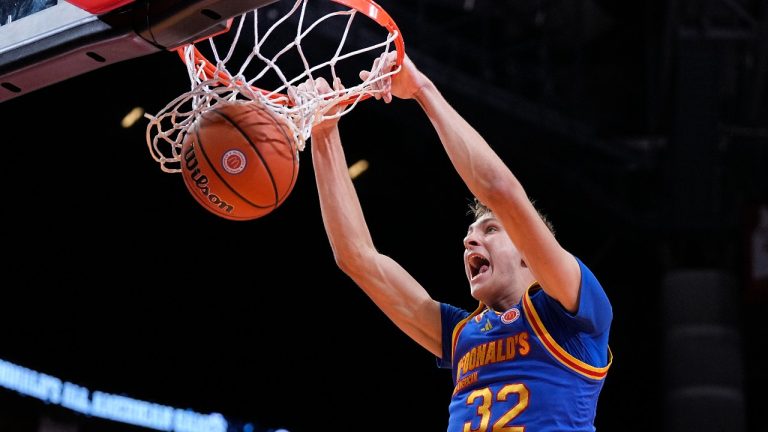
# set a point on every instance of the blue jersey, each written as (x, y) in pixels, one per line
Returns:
(535, 367)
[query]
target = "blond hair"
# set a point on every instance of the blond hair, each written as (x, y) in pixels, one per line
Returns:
(478, 210)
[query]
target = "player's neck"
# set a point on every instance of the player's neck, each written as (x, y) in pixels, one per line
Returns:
(506, 301)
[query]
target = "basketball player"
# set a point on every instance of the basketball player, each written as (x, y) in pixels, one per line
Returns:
(534, 355)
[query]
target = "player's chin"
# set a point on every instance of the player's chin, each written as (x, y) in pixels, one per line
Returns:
(477, 289)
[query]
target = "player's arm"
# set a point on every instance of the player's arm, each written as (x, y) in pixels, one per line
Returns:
(387, 283)
(491, 181)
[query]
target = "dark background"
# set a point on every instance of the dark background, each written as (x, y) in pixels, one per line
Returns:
(639, 127)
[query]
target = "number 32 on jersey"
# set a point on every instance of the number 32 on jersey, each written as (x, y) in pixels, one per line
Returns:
(485, 399)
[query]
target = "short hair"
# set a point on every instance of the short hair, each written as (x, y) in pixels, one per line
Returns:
(478, 210)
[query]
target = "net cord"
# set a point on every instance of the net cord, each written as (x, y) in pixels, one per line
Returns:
(303, 109)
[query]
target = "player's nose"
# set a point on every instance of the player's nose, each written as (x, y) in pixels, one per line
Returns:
(470, 240)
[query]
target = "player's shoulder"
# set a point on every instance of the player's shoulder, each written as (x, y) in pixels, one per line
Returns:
(453, 313)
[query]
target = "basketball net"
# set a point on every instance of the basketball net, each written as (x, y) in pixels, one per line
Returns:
(223, 79)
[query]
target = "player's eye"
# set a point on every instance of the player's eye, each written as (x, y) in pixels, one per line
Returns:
(490, 229)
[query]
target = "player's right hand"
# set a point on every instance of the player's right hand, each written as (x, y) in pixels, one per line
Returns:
(313, 89)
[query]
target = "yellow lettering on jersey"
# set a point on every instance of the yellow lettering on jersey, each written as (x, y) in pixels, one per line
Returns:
(481, 354)
(490, 355)
(472, 359)
(500, 356)
(493, 352)
(523, 342)
(511, 342)
(467, 380)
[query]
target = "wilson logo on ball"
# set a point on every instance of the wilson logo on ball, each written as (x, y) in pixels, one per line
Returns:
(200, 181)
(233, 161)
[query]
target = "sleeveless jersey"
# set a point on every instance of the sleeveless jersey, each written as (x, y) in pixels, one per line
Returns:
(535, 367)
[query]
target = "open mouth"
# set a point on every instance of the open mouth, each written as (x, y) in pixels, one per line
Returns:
(478, 265)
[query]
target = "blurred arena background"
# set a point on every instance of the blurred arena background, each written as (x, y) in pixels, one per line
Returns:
(639, 127)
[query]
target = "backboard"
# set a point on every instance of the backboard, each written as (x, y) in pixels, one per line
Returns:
(46, 41)
(14, 10)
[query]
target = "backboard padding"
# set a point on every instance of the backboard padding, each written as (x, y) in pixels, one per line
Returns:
(48, 43)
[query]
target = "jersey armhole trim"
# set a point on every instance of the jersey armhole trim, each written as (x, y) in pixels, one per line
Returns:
(571, 362)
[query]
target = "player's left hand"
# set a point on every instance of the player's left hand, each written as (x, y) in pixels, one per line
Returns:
(404, 84)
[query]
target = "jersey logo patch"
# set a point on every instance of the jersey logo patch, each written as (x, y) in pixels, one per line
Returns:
(487, 326)
(510, 316)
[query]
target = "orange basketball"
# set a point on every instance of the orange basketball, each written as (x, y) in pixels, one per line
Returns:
(239, 160)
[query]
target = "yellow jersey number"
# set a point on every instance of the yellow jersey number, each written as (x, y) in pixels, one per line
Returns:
(484, 408)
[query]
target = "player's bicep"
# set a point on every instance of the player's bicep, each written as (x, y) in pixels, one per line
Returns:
(559, 275)
(554, 268)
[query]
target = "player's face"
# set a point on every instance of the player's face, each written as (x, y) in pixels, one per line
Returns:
(491, 261)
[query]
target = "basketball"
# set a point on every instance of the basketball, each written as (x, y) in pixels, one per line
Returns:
(239, 160)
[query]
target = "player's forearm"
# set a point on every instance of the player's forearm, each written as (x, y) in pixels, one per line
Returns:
(393, 290)
(342, 214)
(484, 173)
(478, 165)
(491, 181)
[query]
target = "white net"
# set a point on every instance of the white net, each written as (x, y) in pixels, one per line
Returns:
(225, 76)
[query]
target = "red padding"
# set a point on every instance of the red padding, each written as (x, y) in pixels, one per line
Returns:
(98, 7)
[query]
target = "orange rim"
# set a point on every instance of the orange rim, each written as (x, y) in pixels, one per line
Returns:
(367, 7)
